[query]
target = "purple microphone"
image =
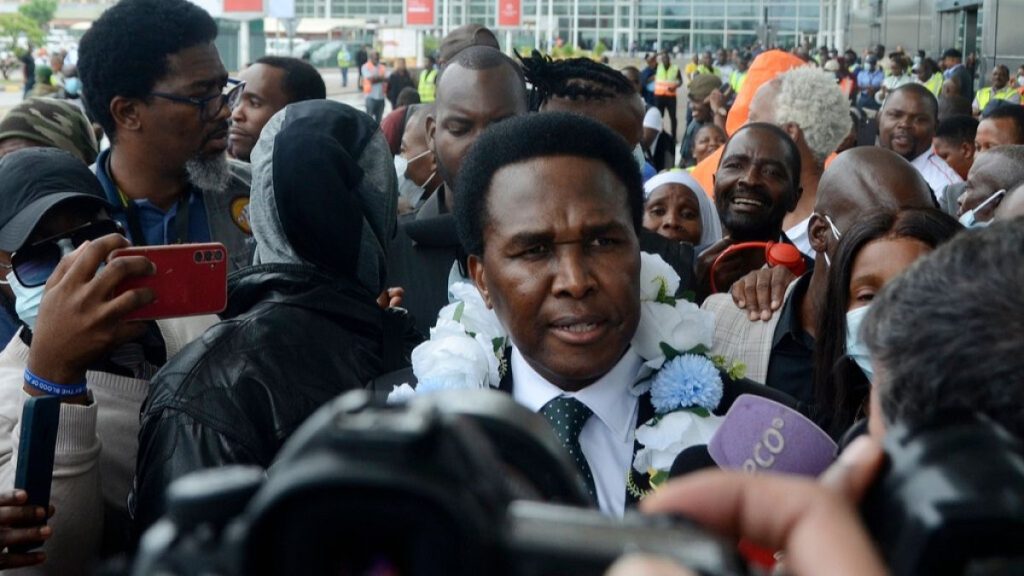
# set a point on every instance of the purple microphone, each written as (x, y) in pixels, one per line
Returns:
(760, 435)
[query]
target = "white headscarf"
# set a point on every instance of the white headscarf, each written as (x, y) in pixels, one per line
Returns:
(711, 226)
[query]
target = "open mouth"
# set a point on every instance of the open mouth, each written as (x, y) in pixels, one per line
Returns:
(579, 331)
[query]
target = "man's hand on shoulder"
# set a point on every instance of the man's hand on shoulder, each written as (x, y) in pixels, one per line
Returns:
(762, 291)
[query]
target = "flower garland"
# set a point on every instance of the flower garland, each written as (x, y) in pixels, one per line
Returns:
(467, 349)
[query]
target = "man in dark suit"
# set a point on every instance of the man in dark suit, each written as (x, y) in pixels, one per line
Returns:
(550, 225)
(479, 87)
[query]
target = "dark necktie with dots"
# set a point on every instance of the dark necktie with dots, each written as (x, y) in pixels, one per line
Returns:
(567, 416)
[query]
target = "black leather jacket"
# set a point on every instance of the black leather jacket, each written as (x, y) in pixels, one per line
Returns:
(291, 339)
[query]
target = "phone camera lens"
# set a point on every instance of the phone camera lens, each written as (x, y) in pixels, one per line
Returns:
(197, 257)
(218, 256)
(207, 256)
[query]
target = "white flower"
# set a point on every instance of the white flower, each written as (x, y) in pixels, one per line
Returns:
(673, 433)
(656, 274)
(401, 393)
(682, 327)
(453, 360)
(475, 315)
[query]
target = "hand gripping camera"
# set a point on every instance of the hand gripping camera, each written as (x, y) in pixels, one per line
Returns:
(456, 483)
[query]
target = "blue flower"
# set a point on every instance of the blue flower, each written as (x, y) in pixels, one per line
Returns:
(684, 382)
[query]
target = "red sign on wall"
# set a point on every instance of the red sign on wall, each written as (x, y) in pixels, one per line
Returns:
(243, 6)
(510, 13)
(419, 12)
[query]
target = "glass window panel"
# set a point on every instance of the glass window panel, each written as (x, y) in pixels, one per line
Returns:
(709, 10)
(741, 10)
(703, 40)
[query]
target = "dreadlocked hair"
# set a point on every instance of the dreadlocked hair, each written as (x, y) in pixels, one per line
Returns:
(573, 78)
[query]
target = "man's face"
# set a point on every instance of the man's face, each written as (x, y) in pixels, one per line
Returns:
(264, 95)
(701, 109)
(959, 156)
(906, 124)
(1000, 77)
(666, 60)
(982, 181)
(705, 59)
(994, 132)
(754, 185)
(175, 130)
(561, 266)
(422, 171)
(468, 101)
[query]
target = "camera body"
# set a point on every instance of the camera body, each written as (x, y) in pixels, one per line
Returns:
(950, 499)
(453, 483)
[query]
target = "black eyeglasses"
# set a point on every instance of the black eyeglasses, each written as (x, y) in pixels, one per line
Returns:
(33, 264)
(210, 106)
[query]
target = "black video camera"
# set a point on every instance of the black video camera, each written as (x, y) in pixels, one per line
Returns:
(457, 483)
(950, 500)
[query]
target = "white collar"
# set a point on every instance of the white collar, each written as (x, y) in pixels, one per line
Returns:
(609, 398)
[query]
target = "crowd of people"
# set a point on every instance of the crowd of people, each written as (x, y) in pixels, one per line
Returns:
(850, 229)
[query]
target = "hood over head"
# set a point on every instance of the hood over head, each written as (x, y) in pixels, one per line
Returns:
(324, 192)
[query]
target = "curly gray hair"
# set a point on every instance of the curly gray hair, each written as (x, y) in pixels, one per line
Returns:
(811, 98)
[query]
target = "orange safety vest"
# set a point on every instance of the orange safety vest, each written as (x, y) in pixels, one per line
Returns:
(666, 81)
(381, 71)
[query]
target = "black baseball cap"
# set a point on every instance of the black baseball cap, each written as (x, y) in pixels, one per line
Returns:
(952, 53)
(35, 180)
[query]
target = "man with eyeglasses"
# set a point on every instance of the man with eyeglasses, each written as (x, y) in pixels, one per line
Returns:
(164, 99)
(56, 235)
(772, 326)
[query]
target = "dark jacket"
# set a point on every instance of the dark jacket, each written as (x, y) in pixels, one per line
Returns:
(397, 82)
(291, 339)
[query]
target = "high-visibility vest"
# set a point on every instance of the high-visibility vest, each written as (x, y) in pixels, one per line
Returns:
(427, 85)
(934, 84)
(381, 72)
(344, 60)
(736, 80)
(986, 94)
(702, 69)
(666, 81)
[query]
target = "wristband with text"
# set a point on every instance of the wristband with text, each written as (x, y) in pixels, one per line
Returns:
(44, 385)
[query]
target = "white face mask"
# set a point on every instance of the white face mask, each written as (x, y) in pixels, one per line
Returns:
(855, 348)
(638, 157)
(1020, 80)
(26, 300)
(407, 188)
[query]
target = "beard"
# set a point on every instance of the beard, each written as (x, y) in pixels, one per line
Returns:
(745, 227)
(208, 173)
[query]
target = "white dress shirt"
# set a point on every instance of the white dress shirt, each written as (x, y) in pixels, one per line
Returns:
(936, 172)
(607, 437)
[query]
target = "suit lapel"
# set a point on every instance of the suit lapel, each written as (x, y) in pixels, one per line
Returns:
(637, 484)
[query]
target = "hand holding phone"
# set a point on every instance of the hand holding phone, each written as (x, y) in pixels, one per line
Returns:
(81, 318)
(21, 525)
(190, 279)
(34, 475)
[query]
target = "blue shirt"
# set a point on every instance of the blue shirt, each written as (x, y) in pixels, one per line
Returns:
(867, 79)
(158, 226)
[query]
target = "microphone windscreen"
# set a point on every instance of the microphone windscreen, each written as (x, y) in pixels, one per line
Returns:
(692, 459)
(761, 435)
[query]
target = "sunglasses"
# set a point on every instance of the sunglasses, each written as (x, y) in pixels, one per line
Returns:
(34, 264)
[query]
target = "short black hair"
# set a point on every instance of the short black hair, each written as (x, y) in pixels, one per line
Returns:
(574, 79)
(482, 58)
(125, 51)
(301, 81)
(923, 92)
(532, 136)
(955, 105)
(958, 129)
(1014, 112)
(792, 152)
(956, 348)
(840, 387)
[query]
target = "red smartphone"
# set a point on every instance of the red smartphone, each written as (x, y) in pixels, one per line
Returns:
(190, 279)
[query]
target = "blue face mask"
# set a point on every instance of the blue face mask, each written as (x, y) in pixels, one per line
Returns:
(72, 86)
(855, 348)
(26, 300)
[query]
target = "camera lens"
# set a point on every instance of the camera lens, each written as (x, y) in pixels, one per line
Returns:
(218, 256)
(207, 256)
(197, 257)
